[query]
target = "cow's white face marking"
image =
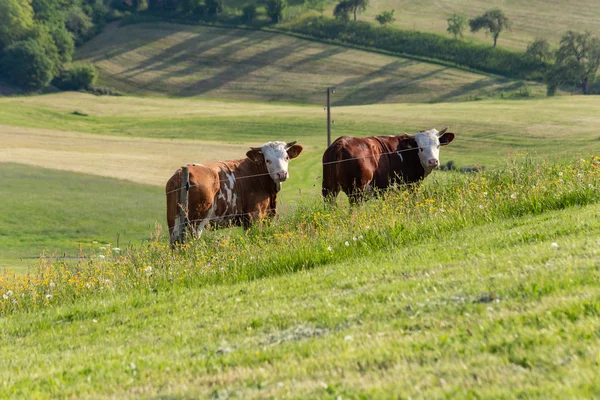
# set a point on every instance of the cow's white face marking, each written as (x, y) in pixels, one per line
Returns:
(429, 149)
(277, 160)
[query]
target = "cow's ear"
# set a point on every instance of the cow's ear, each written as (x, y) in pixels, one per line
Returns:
(407, 143)
(446, 138)
(255, 156)
(294, 151)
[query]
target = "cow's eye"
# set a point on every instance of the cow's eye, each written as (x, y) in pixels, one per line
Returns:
(421, 149)
(287, 158)
(269, 161)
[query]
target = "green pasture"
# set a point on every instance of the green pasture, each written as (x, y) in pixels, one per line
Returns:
(60, 214)
(472, 309)
(488, 133)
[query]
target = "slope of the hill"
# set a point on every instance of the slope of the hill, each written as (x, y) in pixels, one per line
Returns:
(509, 309)
(180, 60)
(531, 19)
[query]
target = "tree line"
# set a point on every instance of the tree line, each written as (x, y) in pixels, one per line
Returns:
(38, 39)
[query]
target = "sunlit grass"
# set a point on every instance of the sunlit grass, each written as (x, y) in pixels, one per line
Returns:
(314, 234)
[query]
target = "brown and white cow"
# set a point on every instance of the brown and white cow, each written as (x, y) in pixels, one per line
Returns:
(233, 192)
(360, 165)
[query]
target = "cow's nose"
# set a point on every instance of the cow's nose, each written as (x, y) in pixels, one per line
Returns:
(434, 162)
(282, 176)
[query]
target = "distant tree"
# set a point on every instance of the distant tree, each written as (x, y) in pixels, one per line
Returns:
(457, 24)
(249, 13)
(357, 6)
(78, 23)
(42, 35)
(317, 5)
(492, 21)
(342, 10)
(63, 40)
(27, 65)
(214, 7)
(275, 9)
(16, 18)
(386, 17)
(539, 50)
(577, 61)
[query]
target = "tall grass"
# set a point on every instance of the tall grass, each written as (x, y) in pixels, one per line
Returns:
(314, 234)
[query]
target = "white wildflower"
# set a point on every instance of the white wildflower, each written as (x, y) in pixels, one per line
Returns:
(87, 285)
(148, 270)
(102, 248)
(513, 196)
(554, 245)
(590, 186)
(481, 206)
(94, 320)
(347, 338)
(116, 249)
(560, 174)
(579, 176)
(48, 297)
(354, 238)
(279, 384)
(5, 296)
(101, 257)
(360, 237)
(52, 284)
(346, 243)
(10, 293)
(484, 194)
(329, 248)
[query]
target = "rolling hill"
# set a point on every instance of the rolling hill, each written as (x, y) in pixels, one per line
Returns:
(197, 61)
(531, 19)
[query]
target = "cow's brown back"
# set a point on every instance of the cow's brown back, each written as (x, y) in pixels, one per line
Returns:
(359, 165)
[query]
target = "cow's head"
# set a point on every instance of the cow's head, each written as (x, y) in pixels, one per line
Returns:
(276, 156)
(428, 143)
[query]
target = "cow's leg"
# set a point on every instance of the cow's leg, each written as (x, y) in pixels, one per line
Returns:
(201, 224)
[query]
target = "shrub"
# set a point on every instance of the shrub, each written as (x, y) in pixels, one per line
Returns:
(214, 7)
(249, 13)
(76, 77)
(26, 64)
(275, 9)
(386, 17)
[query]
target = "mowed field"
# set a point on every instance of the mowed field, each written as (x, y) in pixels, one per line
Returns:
(140, 142)
(194, 61)
(531, 19)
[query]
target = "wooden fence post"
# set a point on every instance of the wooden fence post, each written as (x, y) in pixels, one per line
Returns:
(183, 203)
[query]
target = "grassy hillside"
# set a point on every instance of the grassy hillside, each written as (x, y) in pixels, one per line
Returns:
(531, 19)
(133, 140)
(482, 287)
(187, 61)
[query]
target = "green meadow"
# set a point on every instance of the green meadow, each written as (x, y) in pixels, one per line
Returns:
(478, 285)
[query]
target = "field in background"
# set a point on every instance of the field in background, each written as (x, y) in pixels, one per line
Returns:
(193, 61)
(531, 19)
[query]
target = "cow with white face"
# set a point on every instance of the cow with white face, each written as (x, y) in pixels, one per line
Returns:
(233, 192)
(276, 156)
(357, 166)
(429, 147)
